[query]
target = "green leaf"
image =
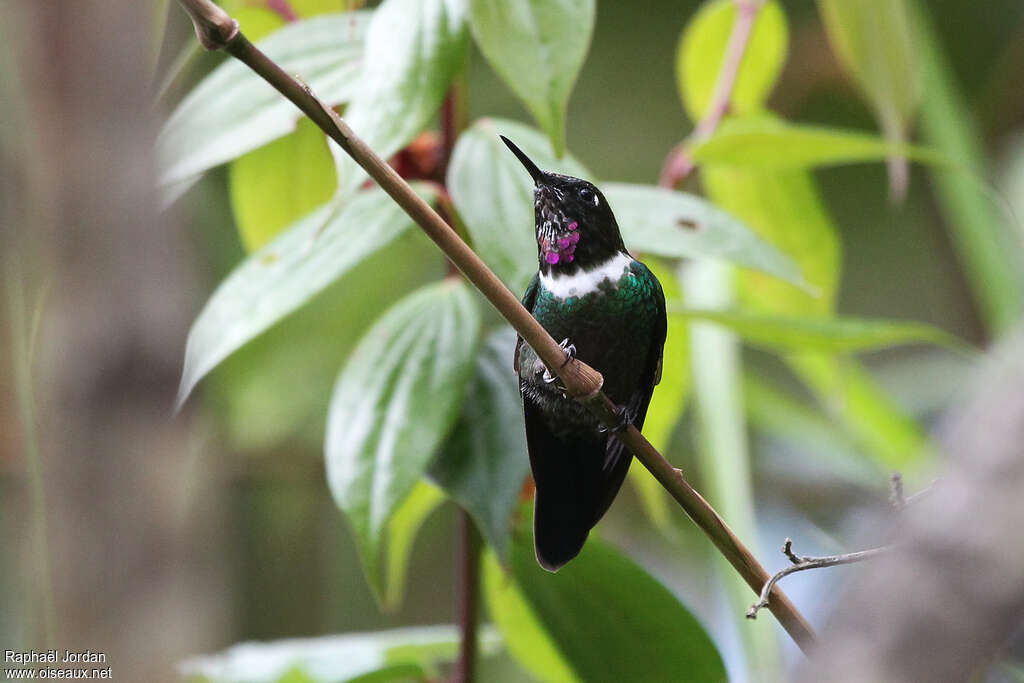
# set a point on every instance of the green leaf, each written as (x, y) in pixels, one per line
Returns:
(484, 464)
(394, 673)
(604, 616)
(790, 333)
(285, 274)
(855, 400)
(234, 111)
(256, 22)
(525, 636)
(273, 392)
(538, 48)
(330, 659)
(813, 448)
(784, 207)
(769, 143)
(278, 183)
(394, 403)
(413, 50)
(668, 402)
(401, 534)
(493, 194)
(988, 247)
(702, 51)
(657, 221)
(874, 43)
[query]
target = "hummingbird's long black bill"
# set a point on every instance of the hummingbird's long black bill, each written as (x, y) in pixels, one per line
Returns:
(536, 173)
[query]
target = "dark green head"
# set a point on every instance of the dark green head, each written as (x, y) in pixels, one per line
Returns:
(576, 228)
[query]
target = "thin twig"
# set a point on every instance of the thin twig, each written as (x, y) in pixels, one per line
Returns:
(801, 563)
(679, 164)
(218, 31)
(468, 592)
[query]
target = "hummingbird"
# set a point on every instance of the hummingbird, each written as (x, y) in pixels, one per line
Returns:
(609, 311)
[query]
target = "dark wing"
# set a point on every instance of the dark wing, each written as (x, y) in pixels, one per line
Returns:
(617, 459)
(528, 300)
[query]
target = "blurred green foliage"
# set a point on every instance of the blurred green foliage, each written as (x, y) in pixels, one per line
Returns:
(424, 408)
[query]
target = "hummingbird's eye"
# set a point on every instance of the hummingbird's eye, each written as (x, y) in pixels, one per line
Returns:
(588, 195)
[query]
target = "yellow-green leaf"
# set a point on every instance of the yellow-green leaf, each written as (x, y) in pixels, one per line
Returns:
(525, 636)
(794, 333)
(873, 40)
(767, 142)
(279, 183)
(702, 49)
(401, 534)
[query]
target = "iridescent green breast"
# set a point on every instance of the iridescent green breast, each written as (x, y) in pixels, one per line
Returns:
(612, 323)
(632, 294)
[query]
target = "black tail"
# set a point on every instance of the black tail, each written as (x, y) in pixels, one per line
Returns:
(577, 479)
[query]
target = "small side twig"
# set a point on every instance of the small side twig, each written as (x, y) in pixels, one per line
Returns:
(801, 563)
(899, 501)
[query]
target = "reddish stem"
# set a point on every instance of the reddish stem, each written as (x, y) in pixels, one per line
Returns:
(679, 165)
(283, 9)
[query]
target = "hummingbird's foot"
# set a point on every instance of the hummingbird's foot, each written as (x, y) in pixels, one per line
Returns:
(624, 420)
(570, 353)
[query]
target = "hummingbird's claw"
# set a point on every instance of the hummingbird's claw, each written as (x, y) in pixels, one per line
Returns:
(624, 421)
(570, 353)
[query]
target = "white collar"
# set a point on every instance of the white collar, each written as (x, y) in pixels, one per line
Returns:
(583, 282)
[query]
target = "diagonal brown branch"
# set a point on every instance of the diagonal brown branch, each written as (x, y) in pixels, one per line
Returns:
(218, 31)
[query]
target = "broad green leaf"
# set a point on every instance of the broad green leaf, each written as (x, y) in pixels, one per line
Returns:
(285, 274)
(769, 143)
(784, 207)
(702, 50)
(273, 186)
(273, 392)
(657, 221)
(401, 534)
(493, 194)
(330, 659)
(414, 48)
(484, 464)
(790, 333)
(525, 636)
(668, 402)
(607, 619)
(538, 48)
(234, 111)
(394, 403)
(875, 45)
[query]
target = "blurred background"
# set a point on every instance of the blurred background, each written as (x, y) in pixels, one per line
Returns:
(154, 536)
